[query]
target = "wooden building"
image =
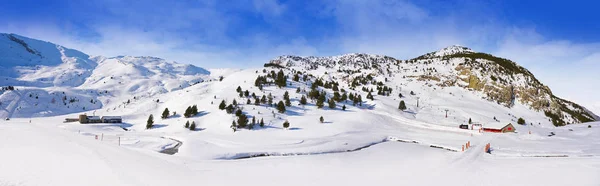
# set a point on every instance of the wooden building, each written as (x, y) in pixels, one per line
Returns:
(111, 119)
(499, 127)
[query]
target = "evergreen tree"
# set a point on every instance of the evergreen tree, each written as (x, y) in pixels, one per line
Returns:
(230, 109)
(402, 105)
(270, 99)
(165, 113)
(344, 97)
(400, 95)
(239, 89)
(331, 104)
(188, 112)
(194, 110)
(262, 123)
(296, 77)
(246, 93)
(412, 93)
(238, 112)
(521, 121)
(369, 96)
(234, 102)
(321, 119)
(351, 97)
(241, 94)
(281, 107)
(256, 101)
(337, 97)
(320, 103)
(248, 102)
(193, 126)
(344, 107)
(286, 124)
(263, 100)
(187, 124)
(303, 100)
(470, 122)
(286, 95)
(222, 105)
(150, 122)
(233, 126)
(298, 90)
(280, 79)
(288, 102)
(242, 121)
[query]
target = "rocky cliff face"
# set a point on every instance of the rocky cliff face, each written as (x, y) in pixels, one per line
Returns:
(498, 80)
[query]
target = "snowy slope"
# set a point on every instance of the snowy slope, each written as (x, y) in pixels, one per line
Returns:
(371, 142)
(53, 80)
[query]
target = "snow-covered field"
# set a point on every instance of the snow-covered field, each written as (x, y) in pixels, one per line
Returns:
(40, 153)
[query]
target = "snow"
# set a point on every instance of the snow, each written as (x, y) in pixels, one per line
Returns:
(373, 143)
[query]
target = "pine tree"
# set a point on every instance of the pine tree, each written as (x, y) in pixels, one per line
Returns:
(234, 102)
(256, 101)
(241, 94)
(344, 97)
(193, 126)
(263, 100)
(270, 99)
(188, 112)
(470, 122)
(320, 103)
(280, 81)
(246, 93)
(303, 100)
(288, 102)
(402, 105)
(233, 126)
(150, 122)
(296, 77)
(286, 95)
(187, 124)
(337, 97)
(331, 104)
(400, 95)
(281, 107)
(321, 119)
(521, 121)
(369, 96)
(165, 113)
(194, 110)
(242, 121)
(262, 123)
(351, 97)
(222, 105)
(298, 90)
(230, 109)
(286, 124)
(239, 89)
(344, 107)
(238, 112)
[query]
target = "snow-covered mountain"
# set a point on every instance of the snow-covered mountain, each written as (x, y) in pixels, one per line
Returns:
(52, 80)
(497, 80)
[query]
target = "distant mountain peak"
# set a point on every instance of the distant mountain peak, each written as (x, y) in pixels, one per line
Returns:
(454, 49)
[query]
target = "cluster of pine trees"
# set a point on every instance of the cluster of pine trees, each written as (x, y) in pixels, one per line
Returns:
(192, 126)
(8, 88)
(191, 111)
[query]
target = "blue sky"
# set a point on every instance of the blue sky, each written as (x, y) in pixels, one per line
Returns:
(557, 40)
